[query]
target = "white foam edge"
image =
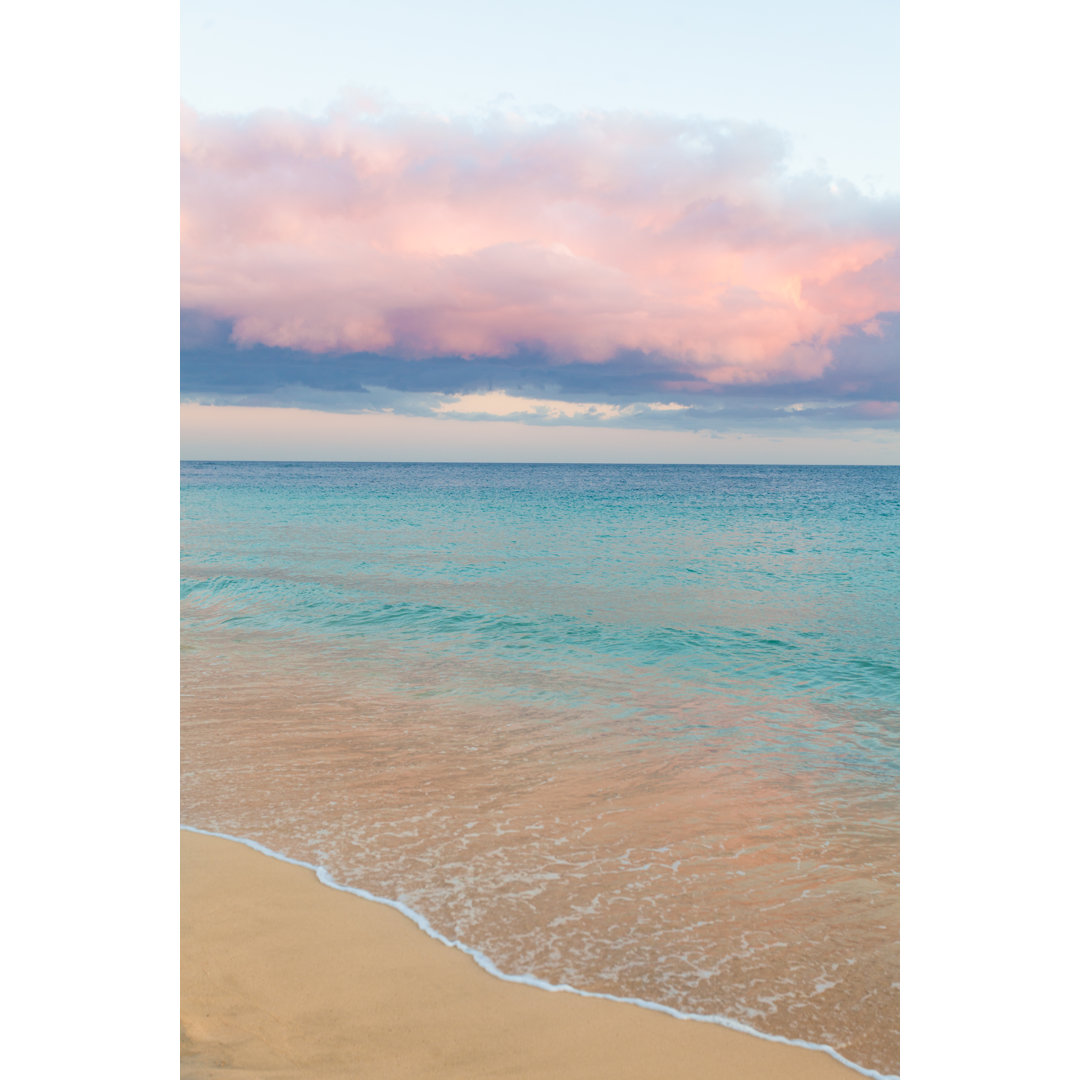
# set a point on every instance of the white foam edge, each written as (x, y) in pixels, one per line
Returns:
(488, 965)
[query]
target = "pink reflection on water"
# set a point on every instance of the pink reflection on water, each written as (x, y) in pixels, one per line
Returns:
(712, 870)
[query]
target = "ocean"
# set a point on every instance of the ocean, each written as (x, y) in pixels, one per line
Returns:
(630, 729)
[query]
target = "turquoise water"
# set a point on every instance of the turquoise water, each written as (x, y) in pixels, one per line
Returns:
(634, 728)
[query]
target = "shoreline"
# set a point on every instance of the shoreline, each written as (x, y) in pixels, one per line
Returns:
(282, 977)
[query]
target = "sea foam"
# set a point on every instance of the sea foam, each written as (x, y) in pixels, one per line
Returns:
(526, 979)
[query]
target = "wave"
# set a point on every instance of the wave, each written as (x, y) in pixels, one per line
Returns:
(488, 965)
(804, 662)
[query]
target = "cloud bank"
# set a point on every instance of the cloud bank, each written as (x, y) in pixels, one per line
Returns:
(605, 259)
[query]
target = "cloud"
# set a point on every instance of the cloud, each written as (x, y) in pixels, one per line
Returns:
(498, 403)
(859, 387)
(225, 433)
(600, 258)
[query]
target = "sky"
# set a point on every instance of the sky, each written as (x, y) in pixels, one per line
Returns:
(591, 231)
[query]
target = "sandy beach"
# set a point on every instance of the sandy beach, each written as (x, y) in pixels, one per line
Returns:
(285, 977)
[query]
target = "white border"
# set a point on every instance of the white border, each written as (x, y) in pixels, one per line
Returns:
(90, 445)
(989, 586)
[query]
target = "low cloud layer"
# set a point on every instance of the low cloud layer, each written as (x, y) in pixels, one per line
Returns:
(615, 260)
(859, 386)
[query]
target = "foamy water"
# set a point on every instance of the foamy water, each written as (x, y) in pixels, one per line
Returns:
(629, 729)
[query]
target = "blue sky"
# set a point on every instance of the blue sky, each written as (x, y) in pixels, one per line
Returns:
(827, 73)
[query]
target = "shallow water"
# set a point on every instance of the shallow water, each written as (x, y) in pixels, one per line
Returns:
(629, 728)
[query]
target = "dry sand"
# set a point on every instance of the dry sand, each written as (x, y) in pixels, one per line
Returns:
(284, 977)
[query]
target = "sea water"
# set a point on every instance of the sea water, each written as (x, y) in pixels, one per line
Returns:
(631, 729)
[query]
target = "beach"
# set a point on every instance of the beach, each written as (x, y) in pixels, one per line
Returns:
(630, 730)
(282, 976)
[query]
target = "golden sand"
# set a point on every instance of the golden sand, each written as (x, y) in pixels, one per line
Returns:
(284, 977)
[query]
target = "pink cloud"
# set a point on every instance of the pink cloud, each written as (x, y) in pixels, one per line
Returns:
(419, 236)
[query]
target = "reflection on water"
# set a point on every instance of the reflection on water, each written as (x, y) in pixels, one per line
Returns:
(633, 730)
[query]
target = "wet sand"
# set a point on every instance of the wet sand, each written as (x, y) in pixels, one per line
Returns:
(284, 977)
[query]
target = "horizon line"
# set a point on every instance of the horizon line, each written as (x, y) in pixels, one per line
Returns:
(635, 464)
